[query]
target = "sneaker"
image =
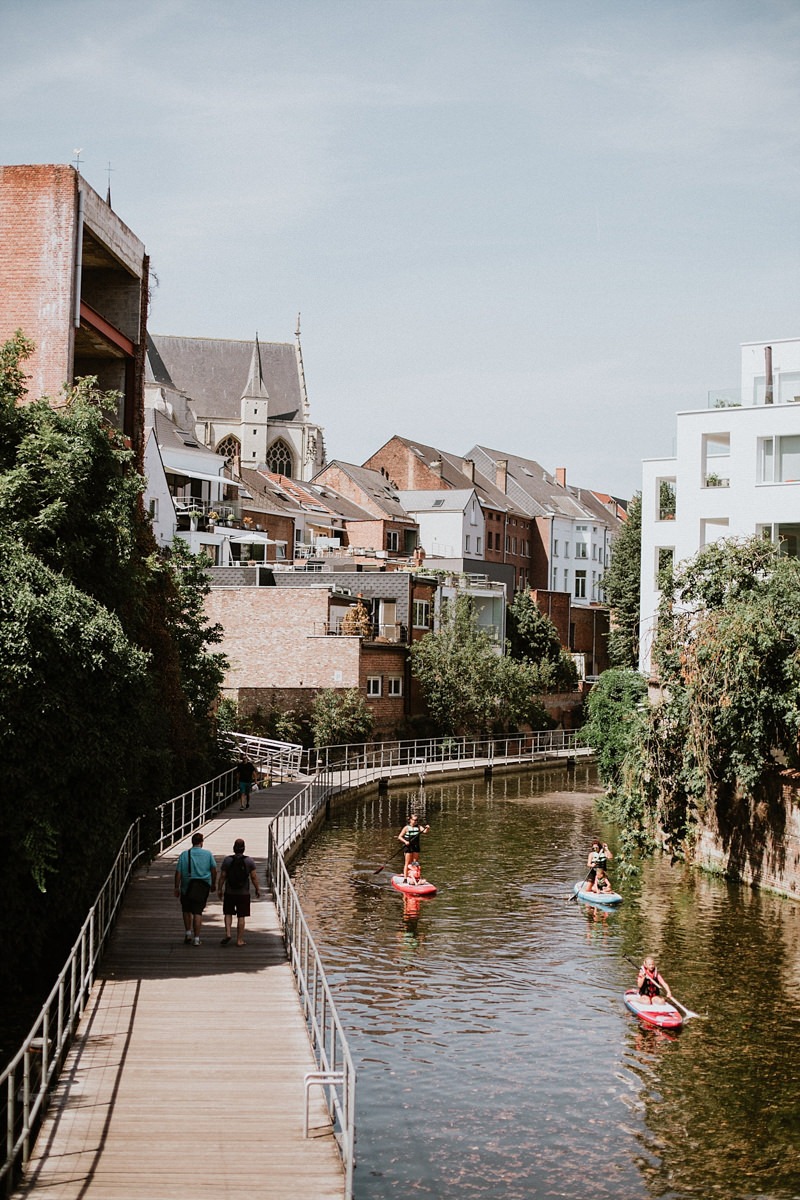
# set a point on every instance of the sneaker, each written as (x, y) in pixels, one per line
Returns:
(197, 941)
(187, 937)
(224, 941)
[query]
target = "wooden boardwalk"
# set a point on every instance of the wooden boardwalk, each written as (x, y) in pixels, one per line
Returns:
(186, 1078)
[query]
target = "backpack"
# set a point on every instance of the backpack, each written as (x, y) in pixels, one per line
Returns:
(238, 873)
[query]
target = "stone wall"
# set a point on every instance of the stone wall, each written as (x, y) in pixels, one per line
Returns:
(757, 842)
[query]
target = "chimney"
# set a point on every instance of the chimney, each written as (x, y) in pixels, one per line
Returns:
(469, 469)
(436, 468)
(501, 474)
(561, 476)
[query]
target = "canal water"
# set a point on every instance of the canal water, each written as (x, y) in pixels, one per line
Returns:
(495, 1057)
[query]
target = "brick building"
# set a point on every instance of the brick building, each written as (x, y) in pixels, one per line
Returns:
(74, 279)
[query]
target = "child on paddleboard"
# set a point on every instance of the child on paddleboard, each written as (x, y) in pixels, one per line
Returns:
(600, 883)
(599, 856)
(409, 835)
(650, 980)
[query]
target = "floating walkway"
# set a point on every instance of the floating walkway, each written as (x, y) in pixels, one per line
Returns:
(186, 1078)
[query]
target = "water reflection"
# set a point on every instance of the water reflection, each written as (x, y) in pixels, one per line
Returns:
(495, 1056)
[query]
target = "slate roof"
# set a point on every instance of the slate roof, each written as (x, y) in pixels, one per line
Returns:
(436, 499)
(456, 474)
(536, 491)
(373, 484)
(319, 497)
(214, 374)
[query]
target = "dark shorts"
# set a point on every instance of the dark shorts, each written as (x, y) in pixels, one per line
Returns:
(413, 847)
(236, 905)
(245, 788)
(193, 900)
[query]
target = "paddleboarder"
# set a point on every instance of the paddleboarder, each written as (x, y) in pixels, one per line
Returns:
(650, 981)
(599, 856)
(409, 835)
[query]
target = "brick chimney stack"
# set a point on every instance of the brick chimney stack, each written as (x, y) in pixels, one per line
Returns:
(501, 474)
(436, 468)
(561, 476)
(469, 469)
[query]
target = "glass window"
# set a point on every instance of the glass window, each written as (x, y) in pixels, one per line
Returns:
(279, 458)
(392, 539)
(421, 617)
(373, 685)
(394, 685)
(580, 585)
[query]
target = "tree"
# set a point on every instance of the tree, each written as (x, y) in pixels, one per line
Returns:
(615, 707)
(106, 673)
(469, 688)
(621, 584)
(340, 717)
(533, 639)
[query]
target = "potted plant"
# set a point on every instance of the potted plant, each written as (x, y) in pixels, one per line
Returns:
(194, 518)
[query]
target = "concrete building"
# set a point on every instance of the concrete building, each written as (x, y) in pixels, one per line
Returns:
(735, 474)
(74, 279)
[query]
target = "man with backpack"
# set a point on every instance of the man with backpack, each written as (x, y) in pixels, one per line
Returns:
(238, 870)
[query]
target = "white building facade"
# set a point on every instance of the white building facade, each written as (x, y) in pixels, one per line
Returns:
(735, 474)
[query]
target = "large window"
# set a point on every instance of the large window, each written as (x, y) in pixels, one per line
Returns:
(779, 459)
(229, 448)
(394, 685)
(581, 541)
(580, 585)
(392, 539)
(279, 458)
(785, 536)
(374, 685)
(716, 459)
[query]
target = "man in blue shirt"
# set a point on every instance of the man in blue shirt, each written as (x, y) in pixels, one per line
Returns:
(195, 876)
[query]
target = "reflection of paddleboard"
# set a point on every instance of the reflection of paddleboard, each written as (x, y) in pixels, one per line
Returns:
(660, 1012)
(423, 888)
(596, 897)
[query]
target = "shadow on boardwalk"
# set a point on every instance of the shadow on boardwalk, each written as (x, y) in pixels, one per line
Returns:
(186, 1078)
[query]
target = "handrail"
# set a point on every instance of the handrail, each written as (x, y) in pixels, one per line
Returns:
(30, 1076)
(518, 747)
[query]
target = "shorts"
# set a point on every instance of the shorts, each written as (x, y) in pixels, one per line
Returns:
(193, 900)
(236, 904)
(244, 787)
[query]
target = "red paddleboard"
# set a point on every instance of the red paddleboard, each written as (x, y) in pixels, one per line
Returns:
(423, 888)
(660, 1013)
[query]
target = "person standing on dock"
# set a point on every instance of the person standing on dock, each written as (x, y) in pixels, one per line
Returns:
(195, 876)
(236, 874)
(410, 837)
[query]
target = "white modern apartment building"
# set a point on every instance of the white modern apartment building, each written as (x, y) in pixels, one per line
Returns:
(736, 473)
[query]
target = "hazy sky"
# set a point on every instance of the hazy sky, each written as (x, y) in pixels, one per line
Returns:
(544, 226)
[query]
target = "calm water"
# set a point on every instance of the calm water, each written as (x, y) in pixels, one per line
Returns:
(495, 1058)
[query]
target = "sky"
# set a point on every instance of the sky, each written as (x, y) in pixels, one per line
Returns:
(541, 226)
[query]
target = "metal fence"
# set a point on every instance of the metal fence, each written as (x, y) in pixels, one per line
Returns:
(276, 760)
(30, 1076)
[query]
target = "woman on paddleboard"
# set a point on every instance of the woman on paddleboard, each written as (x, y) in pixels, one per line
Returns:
(651, 981)
(599, 856)
(409, 835)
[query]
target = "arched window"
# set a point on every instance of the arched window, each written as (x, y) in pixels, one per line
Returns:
(279, 458)
(229, 448)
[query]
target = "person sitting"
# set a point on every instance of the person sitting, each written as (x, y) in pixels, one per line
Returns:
(414, 873)
(599, 856)
(600, 883)
(650, 981)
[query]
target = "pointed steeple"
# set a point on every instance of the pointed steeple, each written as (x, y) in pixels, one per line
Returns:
(301, 373)
(255, 388)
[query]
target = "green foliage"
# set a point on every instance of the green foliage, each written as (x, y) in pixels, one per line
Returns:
(621, 585)
(533, 639)
(615, 707)
(468, 688)
(339, 717)
(106, 678)
(728, 657)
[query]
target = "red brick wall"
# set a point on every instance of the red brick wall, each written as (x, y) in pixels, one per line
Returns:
(590, 637)
(388, 711)
(405, 469)
(556, 606)
(37, 235)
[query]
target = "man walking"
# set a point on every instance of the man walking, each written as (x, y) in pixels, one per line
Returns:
(236, 874)
(247, 777)
(195, 876)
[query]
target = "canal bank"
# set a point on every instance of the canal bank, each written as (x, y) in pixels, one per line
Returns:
(494, 1054)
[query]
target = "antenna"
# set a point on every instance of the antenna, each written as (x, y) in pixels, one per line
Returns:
(77, 159)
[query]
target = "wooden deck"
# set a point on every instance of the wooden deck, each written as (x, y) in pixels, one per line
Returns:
(186, 1078)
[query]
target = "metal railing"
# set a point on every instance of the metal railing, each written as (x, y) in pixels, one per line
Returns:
(336, 1072)
(30, 1076)
(277, 760)
(460, 751)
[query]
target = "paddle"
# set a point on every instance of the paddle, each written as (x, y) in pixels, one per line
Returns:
(687, 1012)
(383, 866)
(574, 893)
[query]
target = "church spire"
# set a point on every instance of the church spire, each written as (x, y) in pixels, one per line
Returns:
(255, 389)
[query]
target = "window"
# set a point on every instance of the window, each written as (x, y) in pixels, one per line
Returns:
(581, 550)
(488, 539)
(581, 540)
(392, 539)
(279, 458)
(154, 509)
(555, 547)
(473, 516)
(666, 499)
(479, 545)
(513, 545)
(779, 459)
(665, 557)
(374, 685)
(467, 544)
(229, 448)
(422, 614)
(716, 459)
(508, 543)
(787, 538)
(580, 585)
(394, 685)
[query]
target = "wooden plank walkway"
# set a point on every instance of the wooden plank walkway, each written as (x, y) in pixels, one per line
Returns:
(186, 1078)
